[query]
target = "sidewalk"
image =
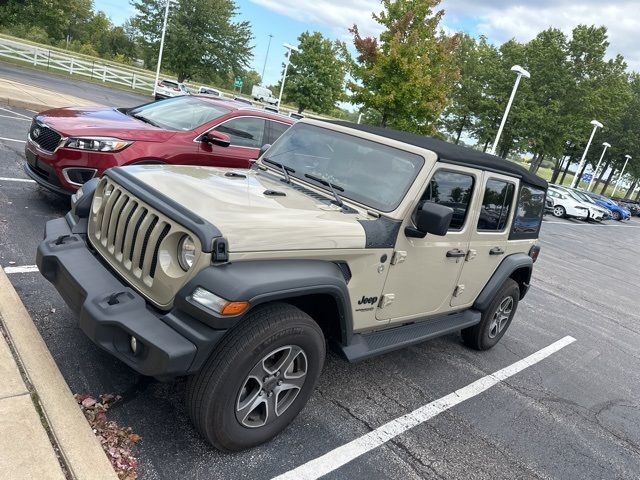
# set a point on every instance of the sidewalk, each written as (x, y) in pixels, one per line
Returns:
(21, 95)
(43, 433)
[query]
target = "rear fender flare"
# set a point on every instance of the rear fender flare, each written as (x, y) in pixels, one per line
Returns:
(511, 264)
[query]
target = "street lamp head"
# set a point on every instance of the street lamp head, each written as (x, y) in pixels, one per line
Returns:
(520, 71)
(628, 157)
(596, 123)
(290, 47)
(606, 145)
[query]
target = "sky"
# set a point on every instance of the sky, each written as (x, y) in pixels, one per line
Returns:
(498, 20)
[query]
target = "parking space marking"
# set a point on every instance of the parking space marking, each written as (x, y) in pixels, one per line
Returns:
(340, 456)
(15, 113)
(13, 140)
(590, 224)
(23, 269)
(16, 118)
(24, 180)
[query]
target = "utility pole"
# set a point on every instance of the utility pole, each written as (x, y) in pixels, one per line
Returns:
(264, 67)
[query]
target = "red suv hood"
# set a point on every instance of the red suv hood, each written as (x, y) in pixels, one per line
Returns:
(103, 122)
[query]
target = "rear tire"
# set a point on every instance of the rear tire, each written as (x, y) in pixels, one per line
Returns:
(496, 319)
(258, 378)
(559, 211)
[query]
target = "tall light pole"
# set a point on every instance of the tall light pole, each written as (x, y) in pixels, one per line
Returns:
(521, 73)
(164, 30)
(628, 157)
(265, 60)
(286, 67)
(596, 125)
(595, 172)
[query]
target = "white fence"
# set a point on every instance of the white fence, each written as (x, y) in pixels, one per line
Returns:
(54, 60)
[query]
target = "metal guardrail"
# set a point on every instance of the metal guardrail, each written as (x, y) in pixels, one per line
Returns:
(54, 60)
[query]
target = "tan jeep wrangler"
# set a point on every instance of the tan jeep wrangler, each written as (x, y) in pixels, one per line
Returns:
(370, 238)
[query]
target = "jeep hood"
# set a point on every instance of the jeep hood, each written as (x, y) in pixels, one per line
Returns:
(250, 219)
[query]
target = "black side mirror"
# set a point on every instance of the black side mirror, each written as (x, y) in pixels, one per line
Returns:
(264, 149)
(216, 138)
(431, 218)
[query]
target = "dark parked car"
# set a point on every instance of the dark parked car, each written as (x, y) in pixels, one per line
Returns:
(66, 147)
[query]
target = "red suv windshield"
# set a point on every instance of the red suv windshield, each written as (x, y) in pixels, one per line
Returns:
(179, 113)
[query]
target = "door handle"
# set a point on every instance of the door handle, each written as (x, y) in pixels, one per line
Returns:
(456, 253)
(496, 251)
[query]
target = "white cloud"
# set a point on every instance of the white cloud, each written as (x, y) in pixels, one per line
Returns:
(499, 20)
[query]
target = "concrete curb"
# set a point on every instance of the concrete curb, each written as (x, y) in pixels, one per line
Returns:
(10, 102)
(81, 452)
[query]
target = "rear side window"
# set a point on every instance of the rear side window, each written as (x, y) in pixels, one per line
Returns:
(451, 189)
(275, 130)
(244, 131)
(528, 217)
(496, 205)
(168, 84)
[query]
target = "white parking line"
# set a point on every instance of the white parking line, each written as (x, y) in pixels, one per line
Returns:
(23, 269)
(342, 455)
(591, 224)
(25, 180)
(16, 118)
(15, 113)
(12, 140)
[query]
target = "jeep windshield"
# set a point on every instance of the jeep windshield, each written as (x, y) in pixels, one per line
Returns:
(178, 113)
(365, 171)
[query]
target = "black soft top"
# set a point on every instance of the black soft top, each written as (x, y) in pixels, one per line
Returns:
(455, 154)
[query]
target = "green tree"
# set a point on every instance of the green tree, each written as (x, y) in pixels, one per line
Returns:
(202, 39)
(249, 79)
(315, 78)
(406, 74)
(466, 95)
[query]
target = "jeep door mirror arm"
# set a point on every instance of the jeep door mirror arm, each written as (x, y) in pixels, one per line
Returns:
(431, 218)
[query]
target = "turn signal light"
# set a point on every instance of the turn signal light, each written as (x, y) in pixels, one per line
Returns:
(234, 308)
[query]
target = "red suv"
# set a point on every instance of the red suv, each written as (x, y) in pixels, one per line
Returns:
(68, 146)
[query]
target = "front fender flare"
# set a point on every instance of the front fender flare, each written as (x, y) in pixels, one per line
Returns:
(262, 281)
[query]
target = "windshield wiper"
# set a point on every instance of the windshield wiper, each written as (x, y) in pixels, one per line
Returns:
(284, 168)
(145, 120)
(331, 186)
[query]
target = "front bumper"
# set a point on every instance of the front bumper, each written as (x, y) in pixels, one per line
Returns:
(109, 312)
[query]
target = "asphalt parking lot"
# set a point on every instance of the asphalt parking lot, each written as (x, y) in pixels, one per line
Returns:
(572, 415)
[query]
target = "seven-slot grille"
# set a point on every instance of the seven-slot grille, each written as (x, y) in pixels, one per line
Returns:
(46, 138)
(129, 233)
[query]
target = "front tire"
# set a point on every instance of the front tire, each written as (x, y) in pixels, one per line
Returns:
(616, 216)
(258, 378)
(496, 319)
(559, 211)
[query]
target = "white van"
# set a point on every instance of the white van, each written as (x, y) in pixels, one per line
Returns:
(263, 94)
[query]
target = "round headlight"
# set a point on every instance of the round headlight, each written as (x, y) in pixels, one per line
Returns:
(186, 252)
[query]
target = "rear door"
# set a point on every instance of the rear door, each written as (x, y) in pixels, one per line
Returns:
(488, 236)
(424, 271)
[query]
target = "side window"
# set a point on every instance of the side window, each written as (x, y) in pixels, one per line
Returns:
(275, 130)
(496, 205)
(244, 131)
(453, 190)
(528, 217)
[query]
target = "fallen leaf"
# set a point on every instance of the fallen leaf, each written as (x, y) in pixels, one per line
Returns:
(88, 402)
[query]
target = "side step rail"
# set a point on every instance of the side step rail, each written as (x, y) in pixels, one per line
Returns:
(367, 345)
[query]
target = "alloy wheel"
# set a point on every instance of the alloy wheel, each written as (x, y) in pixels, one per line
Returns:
(501, 317)
(271, 386)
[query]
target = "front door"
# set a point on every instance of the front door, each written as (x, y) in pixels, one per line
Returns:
(247, 136)
(425, 271)
(489, 235)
